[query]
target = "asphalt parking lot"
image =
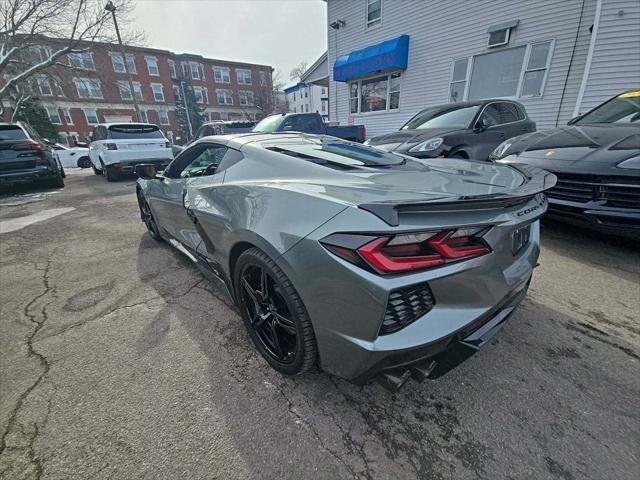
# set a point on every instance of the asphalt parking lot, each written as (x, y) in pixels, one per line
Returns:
(118, 360)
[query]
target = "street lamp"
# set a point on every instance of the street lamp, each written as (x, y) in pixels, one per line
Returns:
(110, 7)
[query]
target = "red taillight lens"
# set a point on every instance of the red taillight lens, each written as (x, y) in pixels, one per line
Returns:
(27, 146)
(111, 146)
(408, 252)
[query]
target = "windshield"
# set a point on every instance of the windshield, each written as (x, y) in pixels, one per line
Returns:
(439, 117)
(624, 108)
(346, 154)
(121, 132)
(11, 132)
(269, 124)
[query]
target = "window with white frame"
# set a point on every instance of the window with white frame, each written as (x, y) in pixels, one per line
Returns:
(82, 60)
(125, 91)
(225, 97)
(374, 13)
(54, 115)
(264, 78)
(88, 87)
(163, 116)
(91, 115)
(221, 75)
(66, 113)
(44, 86)
(224, 116)
(243, 76)
(185, 69)
(152, 66)
(509, 73)
(458, 80)
(536, 70)
(200, 94)
(246, 98)
(381, 93)
(195, 70)
(143, 116)
(37, 54)
(118, 62)
(158, 92)
(172, 69)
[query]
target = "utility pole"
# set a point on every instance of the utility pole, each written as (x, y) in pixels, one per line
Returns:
(110, 7)
(186, 109)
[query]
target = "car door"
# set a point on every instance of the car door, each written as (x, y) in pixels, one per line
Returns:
(494, 123)
(94, 154)
(166, 195)
(313, 124)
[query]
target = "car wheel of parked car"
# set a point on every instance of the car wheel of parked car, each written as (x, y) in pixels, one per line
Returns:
(110, 173)
(458, 155)
(274, 314)
(148, 218)
(95, 170)
(63, 174)
(84, 162)
(57, 182)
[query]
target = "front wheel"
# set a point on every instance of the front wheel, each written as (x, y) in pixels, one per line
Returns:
(95, 170)
(148, 218)
(274, 314)
(111, 173)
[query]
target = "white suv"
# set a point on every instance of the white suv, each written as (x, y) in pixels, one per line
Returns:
(116, 148)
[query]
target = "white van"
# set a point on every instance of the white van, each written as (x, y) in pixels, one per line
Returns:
(116, 148)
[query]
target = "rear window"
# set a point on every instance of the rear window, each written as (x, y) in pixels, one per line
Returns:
(334, 153)
(121, 132)
(11, 132)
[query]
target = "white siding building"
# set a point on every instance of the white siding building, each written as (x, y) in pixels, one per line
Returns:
(388, 59)
(305, 98)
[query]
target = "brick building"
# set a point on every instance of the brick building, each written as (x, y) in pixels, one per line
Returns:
(95, 89)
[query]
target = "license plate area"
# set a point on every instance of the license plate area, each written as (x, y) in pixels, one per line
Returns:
(520, 238)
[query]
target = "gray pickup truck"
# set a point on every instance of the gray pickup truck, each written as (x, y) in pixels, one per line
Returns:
(309, 123)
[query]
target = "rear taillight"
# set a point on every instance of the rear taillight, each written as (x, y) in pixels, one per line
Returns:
(27, 146)
(111, 146)
(388, 254)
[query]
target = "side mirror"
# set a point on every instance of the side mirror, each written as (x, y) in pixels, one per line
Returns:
(147, 171)
(574, 120)
(481, 125)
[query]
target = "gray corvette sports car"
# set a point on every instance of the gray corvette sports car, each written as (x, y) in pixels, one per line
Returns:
(366, 263)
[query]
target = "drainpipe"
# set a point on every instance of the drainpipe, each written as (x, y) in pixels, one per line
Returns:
(587, 65)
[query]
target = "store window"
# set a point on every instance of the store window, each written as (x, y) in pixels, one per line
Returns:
(375, 94)
(458, 80)
(374, 13)
(536, 70)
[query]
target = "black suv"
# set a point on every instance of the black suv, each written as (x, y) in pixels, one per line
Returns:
(27, 158)
(463, 130)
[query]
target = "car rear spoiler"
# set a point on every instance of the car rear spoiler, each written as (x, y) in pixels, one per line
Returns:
(538, 180)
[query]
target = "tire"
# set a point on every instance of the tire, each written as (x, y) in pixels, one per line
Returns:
(57, 181)
(458, 155)
(84, 162)
(291, 353)
(148, 218)
(110, 173)
(63, 174)
(95, 170)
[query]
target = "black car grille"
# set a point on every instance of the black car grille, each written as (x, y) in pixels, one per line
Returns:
(405, 306)
(612, 192)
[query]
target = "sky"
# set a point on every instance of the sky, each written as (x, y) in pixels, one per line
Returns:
(280, 33)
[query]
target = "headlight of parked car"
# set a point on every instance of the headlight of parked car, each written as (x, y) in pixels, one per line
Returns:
(427, 146)
(631, 163)
(499, 151)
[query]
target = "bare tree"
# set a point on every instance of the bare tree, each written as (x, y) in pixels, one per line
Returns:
(35, 34)
(297, 72)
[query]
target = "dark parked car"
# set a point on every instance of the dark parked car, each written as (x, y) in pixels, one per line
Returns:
(597, 161)
(26, 158)
(309, 123)
(461, 130)
(220, 127)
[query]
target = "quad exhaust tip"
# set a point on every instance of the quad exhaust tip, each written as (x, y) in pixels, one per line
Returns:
(393, 380)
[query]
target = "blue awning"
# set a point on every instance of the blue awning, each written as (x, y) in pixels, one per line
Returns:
(390, 55)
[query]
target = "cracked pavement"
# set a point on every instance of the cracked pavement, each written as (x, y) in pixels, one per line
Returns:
(118, 360)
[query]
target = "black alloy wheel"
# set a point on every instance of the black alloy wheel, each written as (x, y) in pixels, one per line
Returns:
(148, 218)
(274, 314)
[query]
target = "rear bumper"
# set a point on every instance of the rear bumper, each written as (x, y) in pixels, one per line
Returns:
(132, 158)
(619, 221)
(128, 167)
(27, 176)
